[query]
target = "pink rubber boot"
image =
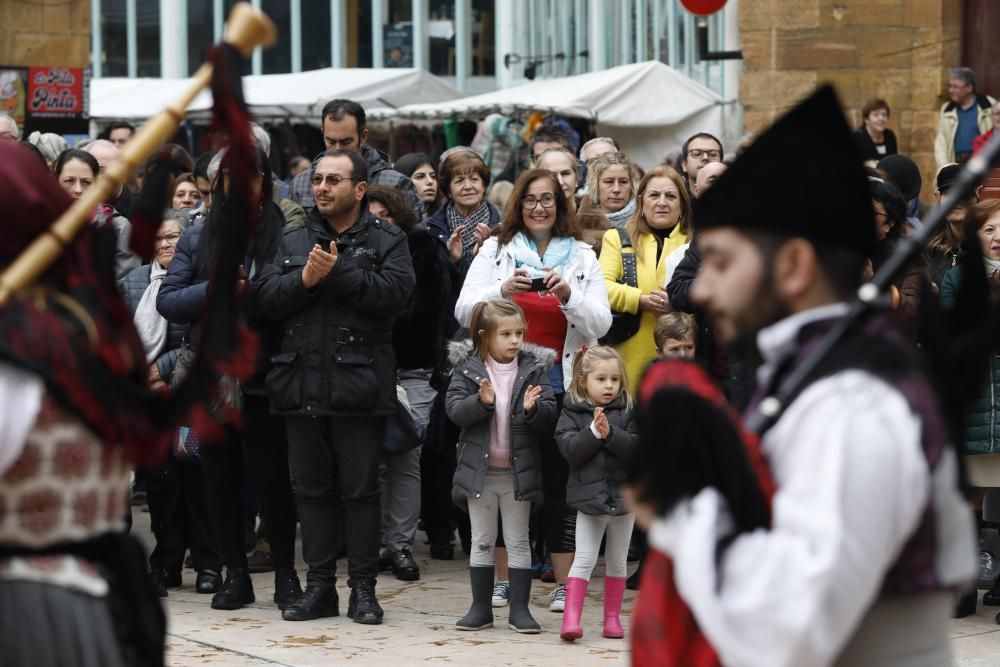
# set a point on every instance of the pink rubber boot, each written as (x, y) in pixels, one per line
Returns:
(576, 591)
(614, 590)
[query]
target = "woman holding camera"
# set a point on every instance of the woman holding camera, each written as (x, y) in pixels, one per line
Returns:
(537, 260)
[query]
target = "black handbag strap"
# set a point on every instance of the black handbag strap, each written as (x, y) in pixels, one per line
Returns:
(630, 275)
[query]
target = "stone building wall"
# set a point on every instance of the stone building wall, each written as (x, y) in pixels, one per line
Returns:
(45, 32)
(897, 50)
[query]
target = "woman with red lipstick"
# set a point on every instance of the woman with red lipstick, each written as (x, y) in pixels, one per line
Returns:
(660, 224)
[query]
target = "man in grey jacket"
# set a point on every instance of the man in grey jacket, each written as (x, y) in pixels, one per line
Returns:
(344, 128)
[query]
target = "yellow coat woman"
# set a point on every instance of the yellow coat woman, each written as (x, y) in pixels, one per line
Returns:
(660, 225)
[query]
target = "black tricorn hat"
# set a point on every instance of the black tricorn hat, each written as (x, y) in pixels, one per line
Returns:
(802, 177)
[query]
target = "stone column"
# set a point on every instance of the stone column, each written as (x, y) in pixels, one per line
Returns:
(897, 50)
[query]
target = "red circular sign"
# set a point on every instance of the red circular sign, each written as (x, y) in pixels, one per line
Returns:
(703, 7)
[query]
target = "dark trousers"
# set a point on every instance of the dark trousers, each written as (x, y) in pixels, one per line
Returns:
(267, 458)
(437, 468)
(266, 449)
(223, 481)
(179, 518)
(558, 518)
(327, 455)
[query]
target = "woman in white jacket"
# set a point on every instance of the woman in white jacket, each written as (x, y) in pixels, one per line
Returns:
(537, 260)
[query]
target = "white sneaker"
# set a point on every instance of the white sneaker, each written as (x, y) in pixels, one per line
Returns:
(501, 594)
(557, 598)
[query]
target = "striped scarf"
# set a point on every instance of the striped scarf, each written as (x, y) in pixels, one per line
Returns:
(468, 225)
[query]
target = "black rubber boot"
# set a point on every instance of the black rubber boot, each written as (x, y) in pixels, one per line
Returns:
(520, 618)
(480, 614)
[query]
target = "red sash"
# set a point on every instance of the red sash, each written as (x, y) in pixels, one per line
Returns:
(664, 631)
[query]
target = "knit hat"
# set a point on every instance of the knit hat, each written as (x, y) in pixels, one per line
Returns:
(49, 144)
(903, 173)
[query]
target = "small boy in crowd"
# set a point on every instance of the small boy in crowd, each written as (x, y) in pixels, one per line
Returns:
(675, 335)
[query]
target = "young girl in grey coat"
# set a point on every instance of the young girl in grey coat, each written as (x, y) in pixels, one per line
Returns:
(597, 434)
(501, 398)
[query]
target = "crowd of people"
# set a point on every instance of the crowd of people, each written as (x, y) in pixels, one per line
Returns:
(443, 353)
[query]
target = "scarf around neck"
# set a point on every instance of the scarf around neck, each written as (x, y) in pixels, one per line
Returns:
(559, 254)
(468, 225)
(619, 218)
(152, 326)
(992, 265)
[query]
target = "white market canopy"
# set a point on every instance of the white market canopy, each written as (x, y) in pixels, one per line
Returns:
(647, 107)
(300, 95)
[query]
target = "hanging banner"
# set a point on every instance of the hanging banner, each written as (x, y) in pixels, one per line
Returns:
(59, 92)
(397, 42)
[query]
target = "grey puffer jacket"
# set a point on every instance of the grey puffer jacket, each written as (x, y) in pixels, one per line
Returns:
(464, 409)
(596, 466)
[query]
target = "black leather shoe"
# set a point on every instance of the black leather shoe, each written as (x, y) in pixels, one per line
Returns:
(236, 592)
(287, 589)
(385, 558)
(207, 581)
(443, 551)
(363, 607)
(632, 583)
(966, 605)
(991, 598)
(404, 567)
(159, 579)
(315, 603)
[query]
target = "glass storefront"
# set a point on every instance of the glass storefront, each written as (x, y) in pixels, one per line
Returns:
(511, 40)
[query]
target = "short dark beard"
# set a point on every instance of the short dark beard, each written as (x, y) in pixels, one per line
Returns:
(764, 309)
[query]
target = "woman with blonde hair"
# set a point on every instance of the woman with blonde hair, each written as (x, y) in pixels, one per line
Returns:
(610, 187)
(660, 224)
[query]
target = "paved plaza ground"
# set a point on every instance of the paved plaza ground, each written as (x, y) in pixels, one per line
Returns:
(419, 628)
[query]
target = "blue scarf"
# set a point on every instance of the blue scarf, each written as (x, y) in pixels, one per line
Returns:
(559, 254)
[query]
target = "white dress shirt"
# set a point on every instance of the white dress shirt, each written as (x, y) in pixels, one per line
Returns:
(21, 398)
(852, 484)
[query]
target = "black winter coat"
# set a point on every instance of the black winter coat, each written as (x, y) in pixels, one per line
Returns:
(336, 349)
(133, 285)
(418, 337)
(596, 467)
(183, 294)
(737, 378)
(867, 146)
(464, 409)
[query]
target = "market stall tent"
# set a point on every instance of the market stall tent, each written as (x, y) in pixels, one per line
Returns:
(298, 96)
(648, 107)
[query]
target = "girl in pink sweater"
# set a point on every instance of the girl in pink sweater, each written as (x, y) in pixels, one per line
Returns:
(500, 396)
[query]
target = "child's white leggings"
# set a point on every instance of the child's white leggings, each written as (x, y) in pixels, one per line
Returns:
(590, 529)
(498, 493)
